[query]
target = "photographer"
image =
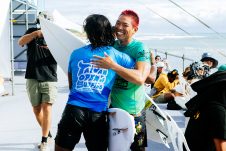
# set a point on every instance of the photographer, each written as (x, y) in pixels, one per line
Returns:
(41, 75)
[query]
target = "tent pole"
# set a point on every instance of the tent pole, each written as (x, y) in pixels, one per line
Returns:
(11, 45)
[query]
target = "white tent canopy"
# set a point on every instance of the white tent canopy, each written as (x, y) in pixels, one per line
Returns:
(5, 65)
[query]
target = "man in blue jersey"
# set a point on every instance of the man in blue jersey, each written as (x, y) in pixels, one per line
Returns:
(129, 94)
(90, 87)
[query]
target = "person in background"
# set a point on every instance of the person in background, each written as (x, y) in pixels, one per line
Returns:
(41, 75)
(206, 129)
(90, 87)
(128, 91)
(2, 88)
(183, 91)
(167, 65)
(160, 68)
(163, 85)
(151, 79)
(157, 59)
(208, 59)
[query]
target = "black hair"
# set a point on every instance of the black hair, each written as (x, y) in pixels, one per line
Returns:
(157, 56)
(173, 74)
(99, 31)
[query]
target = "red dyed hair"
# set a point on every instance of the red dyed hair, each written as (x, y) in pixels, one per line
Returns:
(132, 14)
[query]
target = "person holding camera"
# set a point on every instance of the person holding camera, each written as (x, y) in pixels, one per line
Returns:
(41, 75)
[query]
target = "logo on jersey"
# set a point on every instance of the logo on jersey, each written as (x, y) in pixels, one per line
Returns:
(90, 78)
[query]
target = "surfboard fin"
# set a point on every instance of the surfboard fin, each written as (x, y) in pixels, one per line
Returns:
(163, 138)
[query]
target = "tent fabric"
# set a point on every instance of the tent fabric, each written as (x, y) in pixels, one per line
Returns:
(5, 65)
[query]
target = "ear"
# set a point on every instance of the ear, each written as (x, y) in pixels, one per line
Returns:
(135, 29)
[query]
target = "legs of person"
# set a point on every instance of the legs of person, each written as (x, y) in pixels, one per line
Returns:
(164, 98)
(140, 138)
(48, 92)
(35, 99)
(220, 144)
(70, 128)
(38, 114)
(96, 134)
(43, 116)
(41, 98)
(168, 97)
(160, 99)
(46, 118)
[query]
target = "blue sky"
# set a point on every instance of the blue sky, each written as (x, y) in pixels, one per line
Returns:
(212, 12)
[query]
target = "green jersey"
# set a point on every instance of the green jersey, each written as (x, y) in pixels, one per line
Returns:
(127, 95)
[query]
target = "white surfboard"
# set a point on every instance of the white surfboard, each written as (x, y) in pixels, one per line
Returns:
(156, 123)
(161, 127)
(121, 130)
(60, 20)
(60, 42)
(176, 134)
(67, 24)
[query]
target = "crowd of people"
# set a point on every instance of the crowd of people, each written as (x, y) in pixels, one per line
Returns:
(126, 67)
(200, 92)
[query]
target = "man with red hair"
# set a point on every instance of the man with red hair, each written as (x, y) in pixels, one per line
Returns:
(128, 91)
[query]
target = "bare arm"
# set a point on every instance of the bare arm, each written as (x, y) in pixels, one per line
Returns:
(29, 37)
(151, 77)
(137, 75)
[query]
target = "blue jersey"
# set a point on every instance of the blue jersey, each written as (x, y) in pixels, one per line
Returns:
(91, 86)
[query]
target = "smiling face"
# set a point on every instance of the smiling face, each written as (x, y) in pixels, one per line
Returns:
(125, 29)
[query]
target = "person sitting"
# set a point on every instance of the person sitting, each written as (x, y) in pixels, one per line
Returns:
(163, 85)
(160, 68)
(183, 92)
(156, 70)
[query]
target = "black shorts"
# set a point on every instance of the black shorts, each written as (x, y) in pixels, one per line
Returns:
(75, 121)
